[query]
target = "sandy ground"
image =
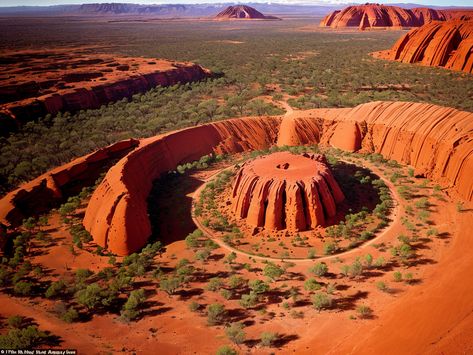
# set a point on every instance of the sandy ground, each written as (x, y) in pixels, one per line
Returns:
(431, 315)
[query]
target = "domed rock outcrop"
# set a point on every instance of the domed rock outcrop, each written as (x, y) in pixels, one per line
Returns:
(376, 15)
(370, 15)
(243, 12)
(286, 191)
(446, 44)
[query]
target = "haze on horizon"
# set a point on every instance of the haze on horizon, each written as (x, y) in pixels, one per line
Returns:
(446, 3)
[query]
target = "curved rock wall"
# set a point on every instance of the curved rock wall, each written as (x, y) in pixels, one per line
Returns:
(447, 44)
(437, 141)
(117, 213)
(49, 189)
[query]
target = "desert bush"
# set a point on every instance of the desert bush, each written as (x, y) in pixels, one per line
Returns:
(170, 284)
(268, 339)
(235, 332)
(258, 286)
(364, 311)
(214, 284)
(319, 269)
(321, 301)
(131, 308)
(215, 313)
(312, 285)
(226, 350)
(273, 271)
(249, 300)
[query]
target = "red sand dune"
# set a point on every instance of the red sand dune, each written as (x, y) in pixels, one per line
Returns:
(435, 140)
(300, 191)
(72, 79)
(376, 15)
(446, 44)
(242, 12)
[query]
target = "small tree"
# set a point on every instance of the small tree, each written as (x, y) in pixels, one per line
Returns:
(215, 313)
(131, 307)
(89, 297)
(258, 286)
(235, 332)
(273, 271)
(170, 285)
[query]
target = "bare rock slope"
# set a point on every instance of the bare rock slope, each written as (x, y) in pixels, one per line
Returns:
(446, 44)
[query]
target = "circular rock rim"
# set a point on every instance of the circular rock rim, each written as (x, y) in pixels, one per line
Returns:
(395, 215)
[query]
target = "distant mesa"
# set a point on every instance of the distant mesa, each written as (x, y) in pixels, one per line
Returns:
(382, 16)
(35, 83)
(445, 44)
(243, 12)
(286, 191)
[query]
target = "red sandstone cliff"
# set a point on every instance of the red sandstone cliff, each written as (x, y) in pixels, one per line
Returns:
(436, 141)
(446, 44)
(47, 190)
(118, 208)
(78, 79)
(376, 15)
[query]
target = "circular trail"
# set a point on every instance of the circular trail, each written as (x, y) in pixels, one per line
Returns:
(395, 216)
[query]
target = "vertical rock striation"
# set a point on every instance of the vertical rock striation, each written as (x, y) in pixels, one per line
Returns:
(286, 191)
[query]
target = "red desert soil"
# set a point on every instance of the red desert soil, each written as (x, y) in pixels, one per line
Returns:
(376, 15)
(445, 44)
(286, 191)
(34, 83)
(412, 319)
(242, 12)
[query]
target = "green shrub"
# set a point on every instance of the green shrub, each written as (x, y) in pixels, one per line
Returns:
(319, 269)
(268, 339)
(235, 333)
(321, 301)
(215, 313)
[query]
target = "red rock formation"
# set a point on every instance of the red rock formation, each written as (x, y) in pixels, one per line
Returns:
(60, 80)
(242, 12)
(286, 191)
(370, 15)
(425, 15)
(47, 190)
(437, 141)
(376, 15)
(447, 44)
(118, 208)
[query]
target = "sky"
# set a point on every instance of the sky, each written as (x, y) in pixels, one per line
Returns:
(320, 2)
